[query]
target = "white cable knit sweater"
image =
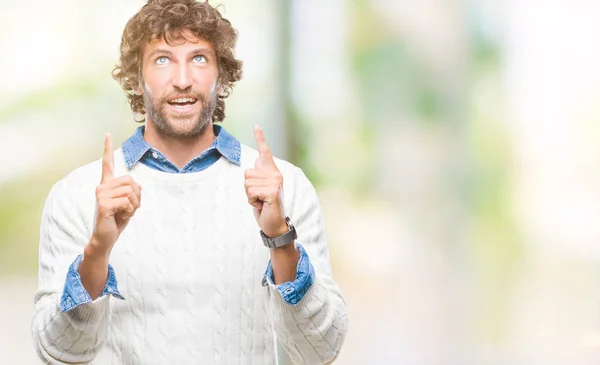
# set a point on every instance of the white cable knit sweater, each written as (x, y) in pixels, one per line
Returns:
(190, 265)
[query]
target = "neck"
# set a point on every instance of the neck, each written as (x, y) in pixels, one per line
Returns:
(179, 150)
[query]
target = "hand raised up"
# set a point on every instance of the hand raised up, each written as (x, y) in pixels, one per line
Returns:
(264, 188)
(117, 199)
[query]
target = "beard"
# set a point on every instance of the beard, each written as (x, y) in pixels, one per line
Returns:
(180, 126)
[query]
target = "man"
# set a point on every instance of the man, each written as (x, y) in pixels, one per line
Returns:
(156, 254)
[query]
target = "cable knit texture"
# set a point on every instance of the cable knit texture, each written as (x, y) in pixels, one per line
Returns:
(190, 265)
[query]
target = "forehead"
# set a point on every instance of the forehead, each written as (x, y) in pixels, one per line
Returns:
(180, 40)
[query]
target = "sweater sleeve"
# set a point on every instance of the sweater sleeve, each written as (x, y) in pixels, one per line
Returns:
(313, 330)
(74, 336)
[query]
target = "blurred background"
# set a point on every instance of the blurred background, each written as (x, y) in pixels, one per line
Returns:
(455, 146)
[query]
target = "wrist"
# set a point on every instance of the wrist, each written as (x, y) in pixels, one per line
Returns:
(93, 270)
(96, 252)
(280, 231)
(280, 237)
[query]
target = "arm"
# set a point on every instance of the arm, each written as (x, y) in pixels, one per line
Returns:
(72, 328)
(313, 330)
(293, 290)
(74, 336)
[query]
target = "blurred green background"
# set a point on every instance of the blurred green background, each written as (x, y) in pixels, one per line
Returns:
(454, 146)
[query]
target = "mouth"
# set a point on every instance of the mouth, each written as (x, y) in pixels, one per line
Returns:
(182, 102)
(182, 105)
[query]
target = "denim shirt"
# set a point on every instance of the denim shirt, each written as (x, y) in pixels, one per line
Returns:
(136, 150)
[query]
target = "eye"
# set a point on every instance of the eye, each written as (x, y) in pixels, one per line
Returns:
(199, 58)
(162, 60)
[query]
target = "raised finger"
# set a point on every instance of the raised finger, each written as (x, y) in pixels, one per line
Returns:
(108, 162)
(264, 152)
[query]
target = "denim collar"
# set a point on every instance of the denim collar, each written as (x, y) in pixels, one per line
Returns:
(228, 146)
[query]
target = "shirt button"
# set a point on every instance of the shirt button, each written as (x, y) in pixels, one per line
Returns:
(154, 154)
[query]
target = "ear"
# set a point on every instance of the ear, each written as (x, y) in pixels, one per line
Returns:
(220, 90)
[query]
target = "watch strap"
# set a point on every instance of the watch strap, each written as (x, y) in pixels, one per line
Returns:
(275, 242)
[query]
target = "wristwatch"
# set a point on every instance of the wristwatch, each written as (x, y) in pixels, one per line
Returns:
(275, 242)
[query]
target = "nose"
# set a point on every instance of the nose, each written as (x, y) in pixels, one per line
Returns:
(182, 78)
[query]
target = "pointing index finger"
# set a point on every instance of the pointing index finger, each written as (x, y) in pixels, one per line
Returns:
(108, 162)
(263, 149)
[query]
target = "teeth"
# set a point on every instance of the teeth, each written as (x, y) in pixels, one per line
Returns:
(183, 100)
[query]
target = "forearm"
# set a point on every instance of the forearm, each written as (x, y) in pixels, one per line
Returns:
(68, 326)
(94, 270)
(284, 261)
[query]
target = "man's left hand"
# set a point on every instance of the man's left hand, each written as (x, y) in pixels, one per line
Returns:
(264, 188)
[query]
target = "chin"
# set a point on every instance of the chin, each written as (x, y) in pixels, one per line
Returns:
(185, 128)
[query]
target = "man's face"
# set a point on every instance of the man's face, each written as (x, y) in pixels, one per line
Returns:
(179, 85)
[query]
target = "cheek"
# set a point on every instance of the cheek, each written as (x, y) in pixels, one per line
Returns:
(156, 83)
(207, 80)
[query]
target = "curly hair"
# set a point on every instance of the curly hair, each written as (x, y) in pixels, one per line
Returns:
(168, 19)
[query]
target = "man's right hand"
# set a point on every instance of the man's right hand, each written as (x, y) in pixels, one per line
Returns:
(117, 199)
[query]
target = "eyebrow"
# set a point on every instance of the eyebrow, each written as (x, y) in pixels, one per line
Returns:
(163, 51)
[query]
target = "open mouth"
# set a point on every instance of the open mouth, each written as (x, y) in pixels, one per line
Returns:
(182, 102)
